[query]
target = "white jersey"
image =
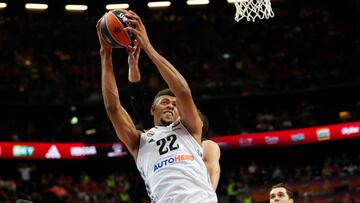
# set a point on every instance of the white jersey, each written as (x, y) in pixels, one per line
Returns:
(171, 163)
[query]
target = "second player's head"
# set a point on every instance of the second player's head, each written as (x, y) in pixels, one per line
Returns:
(205, 127)
(281, 193)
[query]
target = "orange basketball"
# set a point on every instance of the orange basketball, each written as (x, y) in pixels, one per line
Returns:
(112, 29)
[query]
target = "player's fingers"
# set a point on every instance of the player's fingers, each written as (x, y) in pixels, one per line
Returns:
(135, 45)
(129, 50)
(135, 23)
(133, 15)
(99, 22)
(136, 17)
(133, 30)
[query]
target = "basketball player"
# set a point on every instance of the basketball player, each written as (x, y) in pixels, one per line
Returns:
(211, 149)
(169, 155)
(281, 193)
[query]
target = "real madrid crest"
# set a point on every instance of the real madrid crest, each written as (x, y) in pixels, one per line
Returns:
(150, 133)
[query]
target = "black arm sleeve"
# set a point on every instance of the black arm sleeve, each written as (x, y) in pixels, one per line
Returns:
(137, 102)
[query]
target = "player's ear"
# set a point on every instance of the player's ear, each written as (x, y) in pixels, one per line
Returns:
(152, 110)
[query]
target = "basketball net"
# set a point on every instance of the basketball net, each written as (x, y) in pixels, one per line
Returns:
(251, 9)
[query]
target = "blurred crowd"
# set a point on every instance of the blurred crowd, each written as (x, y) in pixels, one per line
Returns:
(30, 183)
(298, 69)
(52, 59)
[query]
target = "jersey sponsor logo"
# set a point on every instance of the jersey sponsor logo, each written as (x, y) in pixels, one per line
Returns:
(199, 153)
(172, 160)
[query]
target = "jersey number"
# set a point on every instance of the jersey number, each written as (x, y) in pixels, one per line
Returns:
(163, 144)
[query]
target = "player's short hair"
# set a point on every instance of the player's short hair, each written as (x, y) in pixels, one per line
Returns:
(289, 190)
(205, 127)
(163, 92)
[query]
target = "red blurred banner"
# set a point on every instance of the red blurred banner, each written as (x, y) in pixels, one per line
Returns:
(290, 137)
(36, 150)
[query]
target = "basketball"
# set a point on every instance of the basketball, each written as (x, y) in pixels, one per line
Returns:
(112, 29)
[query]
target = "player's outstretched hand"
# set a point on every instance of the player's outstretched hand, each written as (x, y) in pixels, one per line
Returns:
(138, 29)
(134, 53)
(133, 61)
(104, 46)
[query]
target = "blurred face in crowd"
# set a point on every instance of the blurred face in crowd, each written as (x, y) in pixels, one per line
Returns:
(164, 110)
(279, 195)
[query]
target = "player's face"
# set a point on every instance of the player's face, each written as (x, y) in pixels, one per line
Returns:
(279, 195)
(164, 110)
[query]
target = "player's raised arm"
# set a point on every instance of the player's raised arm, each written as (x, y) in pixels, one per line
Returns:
(136, 91)
(124, 126)
(134, 75)
(172, 77)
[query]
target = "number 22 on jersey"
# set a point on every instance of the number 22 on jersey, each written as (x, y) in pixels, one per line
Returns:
(167, 144)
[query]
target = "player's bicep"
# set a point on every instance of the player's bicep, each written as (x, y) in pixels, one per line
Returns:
(211, 159)
(212, 152)
(125, 128)
(212, 155)
(189, 114)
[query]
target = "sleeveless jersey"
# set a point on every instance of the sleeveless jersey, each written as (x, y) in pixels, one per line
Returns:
(170, 162)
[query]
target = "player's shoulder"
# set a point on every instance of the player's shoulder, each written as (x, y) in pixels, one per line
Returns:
(210, 146)
(211, 150)
(209, 143)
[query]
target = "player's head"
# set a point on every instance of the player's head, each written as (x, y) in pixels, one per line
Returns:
(281, 193)
(163, 108)
(205, 127)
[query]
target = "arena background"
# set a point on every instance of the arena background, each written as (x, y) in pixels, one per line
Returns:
(297, 70)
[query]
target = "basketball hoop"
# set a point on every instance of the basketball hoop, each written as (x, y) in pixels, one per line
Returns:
(251, 9)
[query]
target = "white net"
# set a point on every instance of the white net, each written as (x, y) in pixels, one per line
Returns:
(252, 9)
